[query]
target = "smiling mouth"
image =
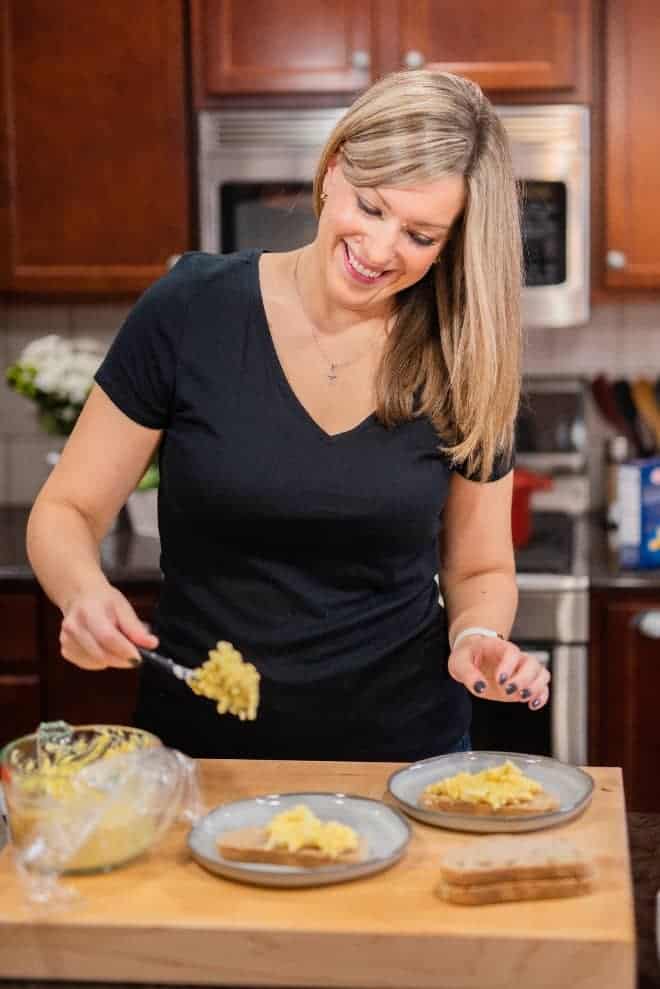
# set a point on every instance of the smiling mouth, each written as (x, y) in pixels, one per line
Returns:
(363, 274)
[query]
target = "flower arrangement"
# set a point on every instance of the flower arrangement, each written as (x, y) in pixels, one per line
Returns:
(57, 375)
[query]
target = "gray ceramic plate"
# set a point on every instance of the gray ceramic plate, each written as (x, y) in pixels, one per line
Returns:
(386, 833)
(571, 786)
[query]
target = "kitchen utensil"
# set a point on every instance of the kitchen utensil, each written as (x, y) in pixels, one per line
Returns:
(525, 482)
(603, 394)
(224, 678)
(648, 409)
(385, 831)
(573, 787)
(165, 664)
(624, 400)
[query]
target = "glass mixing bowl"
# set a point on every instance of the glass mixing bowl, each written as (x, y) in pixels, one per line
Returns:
(74, 805)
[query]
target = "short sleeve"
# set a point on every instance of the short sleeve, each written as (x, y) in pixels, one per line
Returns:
(502, 464)
(138, 373)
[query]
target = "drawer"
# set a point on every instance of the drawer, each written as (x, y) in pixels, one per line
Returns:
(19, 636)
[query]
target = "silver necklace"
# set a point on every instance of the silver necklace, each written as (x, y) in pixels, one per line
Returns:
(333, 366)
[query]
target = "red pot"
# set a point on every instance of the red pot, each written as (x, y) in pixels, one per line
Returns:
(524, 483)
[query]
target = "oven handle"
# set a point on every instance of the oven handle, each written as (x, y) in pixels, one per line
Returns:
(647, 623)
(541, 656)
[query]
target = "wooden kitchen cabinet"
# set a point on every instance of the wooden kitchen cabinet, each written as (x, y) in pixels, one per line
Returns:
(526, 49)
(20, 681)
(300, 46)
(632, 145)
(624, 691)
(94, 144)
(506, 47)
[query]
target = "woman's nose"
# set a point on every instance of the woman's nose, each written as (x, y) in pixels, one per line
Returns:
(379, 248)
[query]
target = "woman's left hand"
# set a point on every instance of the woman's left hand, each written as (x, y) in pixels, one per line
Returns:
(498, 671)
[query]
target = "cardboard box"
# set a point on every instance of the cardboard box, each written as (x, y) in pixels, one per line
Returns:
(639, 513)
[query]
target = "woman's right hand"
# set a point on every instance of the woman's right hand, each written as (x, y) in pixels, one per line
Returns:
(100, 629)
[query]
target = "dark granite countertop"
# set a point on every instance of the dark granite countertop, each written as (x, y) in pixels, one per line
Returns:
(126, 558)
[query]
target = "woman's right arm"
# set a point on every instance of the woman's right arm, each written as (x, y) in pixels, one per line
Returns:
(102, 462)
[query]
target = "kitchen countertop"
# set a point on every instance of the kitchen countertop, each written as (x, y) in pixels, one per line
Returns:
(127, 557)
(165, 918)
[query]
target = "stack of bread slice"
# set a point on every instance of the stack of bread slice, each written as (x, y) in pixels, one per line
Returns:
(500, 869)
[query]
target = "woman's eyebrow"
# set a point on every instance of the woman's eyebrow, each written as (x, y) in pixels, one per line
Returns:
(417, 224)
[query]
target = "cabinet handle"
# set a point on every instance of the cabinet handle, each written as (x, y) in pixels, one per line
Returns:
(360, 59)
(616, 260)
(647, 623)
(413, 60)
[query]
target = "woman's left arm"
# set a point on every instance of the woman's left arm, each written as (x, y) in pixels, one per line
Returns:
(478, 584)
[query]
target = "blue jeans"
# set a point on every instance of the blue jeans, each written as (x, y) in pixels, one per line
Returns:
(463, 744)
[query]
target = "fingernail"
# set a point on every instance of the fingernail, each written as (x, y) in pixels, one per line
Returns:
(479, 686)
(536, 703)
(525, 693)
(511, 689)
(134, 661)
(502, 678)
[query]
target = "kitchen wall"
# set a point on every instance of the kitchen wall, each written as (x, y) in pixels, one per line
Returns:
(621, 340)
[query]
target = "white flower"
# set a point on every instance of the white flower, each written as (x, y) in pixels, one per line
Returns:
(63, 368)
(38, 351)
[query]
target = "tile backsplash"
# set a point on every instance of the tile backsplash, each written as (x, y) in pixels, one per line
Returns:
(621, 340)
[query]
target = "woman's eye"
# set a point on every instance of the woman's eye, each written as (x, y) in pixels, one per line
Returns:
(366, 208)
(420, 239)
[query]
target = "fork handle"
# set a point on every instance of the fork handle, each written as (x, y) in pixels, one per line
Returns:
(164, 663)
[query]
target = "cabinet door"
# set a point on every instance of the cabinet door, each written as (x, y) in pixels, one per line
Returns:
(19, 638)
(20, 706)
(280, 46)
(93, 174)
(85, 697)
(632, 145)
(625, 686)
(505, 46)
(20, 684)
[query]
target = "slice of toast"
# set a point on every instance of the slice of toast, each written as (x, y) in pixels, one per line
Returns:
(504, 860)
(250, 845)
(505, 892)
(541, 803)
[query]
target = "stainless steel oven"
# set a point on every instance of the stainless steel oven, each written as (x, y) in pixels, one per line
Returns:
(256, 166)
(553, 434)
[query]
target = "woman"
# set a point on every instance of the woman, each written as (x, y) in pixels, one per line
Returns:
(322, 417)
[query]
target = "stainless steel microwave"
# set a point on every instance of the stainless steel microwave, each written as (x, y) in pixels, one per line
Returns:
(256, 166)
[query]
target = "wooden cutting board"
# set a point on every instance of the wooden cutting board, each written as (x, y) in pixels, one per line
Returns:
(165, 919)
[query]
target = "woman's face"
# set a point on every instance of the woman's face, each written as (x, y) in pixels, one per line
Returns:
(376, 242)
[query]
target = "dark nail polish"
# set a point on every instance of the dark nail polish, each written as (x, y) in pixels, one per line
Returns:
(479, 687)
(536, 703)
(511, 689)
(134, 661)
(502, 678)
(525, 693)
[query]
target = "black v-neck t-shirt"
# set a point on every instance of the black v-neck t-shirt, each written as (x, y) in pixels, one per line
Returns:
(315, 555)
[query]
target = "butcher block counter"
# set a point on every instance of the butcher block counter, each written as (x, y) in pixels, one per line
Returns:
(164, 919)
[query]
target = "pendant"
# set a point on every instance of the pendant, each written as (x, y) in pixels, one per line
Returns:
(332, 374)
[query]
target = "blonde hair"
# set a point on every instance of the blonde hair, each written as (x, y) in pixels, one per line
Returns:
(455, 352)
